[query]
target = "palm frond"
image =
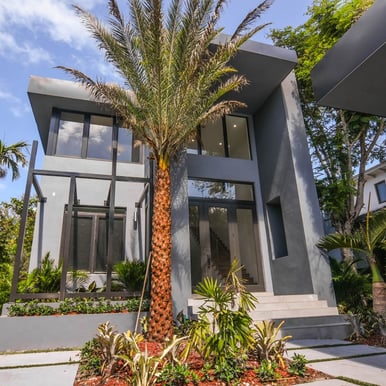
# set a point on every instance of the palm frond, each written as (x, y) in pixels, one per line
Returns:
(11, 157)
(251, 17)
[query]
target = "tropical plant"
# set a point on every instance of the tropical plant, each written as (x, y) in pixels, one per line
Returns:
(177, 79)
(45, 278)
(130, 274)
(297, 365)
(146, 369)
(268, 344)
(267, 370)
(223, 331)
(111, 344)
(10, 215)
(177, 375)
(369, 236)
(11, 157)
(352, 288)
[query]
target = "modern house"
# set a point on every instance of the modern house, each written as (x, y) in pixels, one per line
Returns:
(375, 188)
(244, 190)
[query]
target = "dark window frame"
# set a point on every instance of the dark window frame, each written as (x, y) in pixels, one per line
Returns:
(96, 213)
(225, 138)
(54, 130)
(381, 199)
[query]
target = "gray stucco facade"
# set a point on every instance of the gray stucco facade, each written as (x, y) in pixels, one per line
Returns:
(280, 219)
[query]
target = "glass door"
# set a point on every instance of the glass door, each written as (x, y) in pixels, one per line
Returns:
(220, 233)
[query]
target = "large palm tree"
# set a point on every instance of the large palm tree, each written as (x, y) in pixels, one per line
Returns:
(367, 239)
(11, 157)
(173, 80)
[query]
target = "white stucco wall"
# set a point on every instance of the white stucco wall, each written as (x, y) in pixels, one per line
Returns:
(89, 192)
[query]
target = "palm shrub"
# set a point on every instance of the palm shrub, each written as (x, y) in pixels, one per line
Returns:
(173, 80)
(223, 333)
(352, 288)
(43, 279)
(130, 274)
(366, 239)
(11, 156)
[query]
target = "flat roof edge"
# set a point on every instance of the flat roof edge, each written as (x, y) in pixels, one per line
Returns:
(360, 42)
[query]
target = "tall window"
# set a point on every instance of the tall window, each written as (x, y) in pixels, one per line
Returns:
(277, 230)
(100, 137)
(92, 136)
(70, 133)
(88, 239)
(380, 187)
(226, 137)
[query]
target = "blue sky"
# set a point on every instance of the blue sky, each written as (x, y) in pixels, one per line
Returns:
(37, 35)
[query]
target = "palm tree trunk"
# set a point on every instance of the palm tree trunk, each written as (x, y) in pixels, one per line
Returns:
(161, 314)
(379, 298)
(378, 287)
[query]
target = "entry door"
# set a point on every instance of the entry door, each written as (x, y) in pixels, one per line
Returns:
(220, 233)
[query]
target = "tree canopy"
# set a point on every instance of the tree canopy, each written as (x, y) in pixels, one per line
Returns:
(342, 143)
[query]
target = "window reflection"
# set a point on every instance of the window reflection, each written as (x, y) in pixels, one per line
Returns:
(212, 139)
(220, 190)
(100, 138)
(91, 136)
(70, 132)
(129, 148)
(229, 141)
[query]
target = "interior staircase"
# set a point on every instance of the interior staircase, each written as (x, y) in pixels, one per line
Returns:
(305, 316)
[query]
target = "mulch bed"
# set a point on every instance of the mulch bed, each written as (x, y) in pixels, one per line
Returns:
(249, 378)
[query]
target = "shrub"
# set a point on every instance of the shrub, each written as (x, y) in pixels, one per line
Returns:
(43, 279)
(223, 333)
(297, 365)
(130, 274)
(268, 345)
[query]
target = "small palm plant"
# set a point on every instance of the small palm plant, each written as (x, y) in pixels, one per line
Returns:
(223, 332)
(369, 236)
(11, 157)
(130, 274)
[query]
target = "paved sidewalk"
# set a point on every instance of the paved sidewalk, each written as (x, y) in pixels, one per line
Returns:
(57, 368)
(343, 359)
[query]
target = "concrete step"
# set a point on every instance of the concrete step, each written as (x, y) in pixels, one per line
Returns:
(317, 327)
(305, 316)
(275, 306)
(293, 313)
(267, 297)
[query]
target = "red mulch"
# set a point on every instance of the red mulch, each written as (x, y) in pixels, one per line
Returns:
(249, 377)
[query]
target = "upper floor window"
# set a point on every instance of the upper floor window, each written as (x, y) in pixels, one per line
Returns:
(380, 187)
(226, 137)
(92, 136)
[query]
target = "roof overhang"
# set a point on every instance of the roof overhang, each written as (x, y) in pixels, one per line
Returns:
(352, 75)
(264, 66)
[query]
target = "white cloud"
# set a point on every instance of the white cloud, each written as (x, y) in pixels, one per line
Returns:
(17, 106)
(25, 26)
(25, 52)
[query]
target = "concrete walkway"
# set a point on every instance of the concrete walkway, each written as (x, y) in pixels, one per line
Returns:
(352, 362)
(56, 368)
(334, 357)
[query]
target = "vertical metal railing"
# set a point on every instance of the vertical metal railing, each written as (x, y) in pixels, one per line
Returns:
(23, 222)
